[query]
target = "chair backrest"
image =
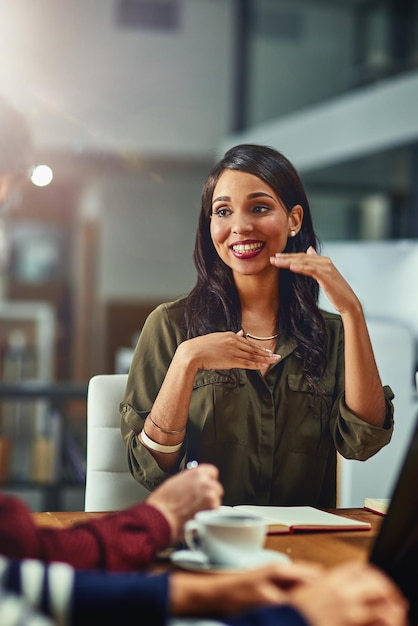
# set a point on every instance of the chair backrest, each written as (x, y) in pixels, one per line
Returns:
(393, 344)
(109, 484)
(382, 273)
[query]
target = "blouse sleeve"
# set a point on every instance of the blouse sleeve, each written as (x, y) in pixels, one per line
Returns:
(157, 344)
(354, 438)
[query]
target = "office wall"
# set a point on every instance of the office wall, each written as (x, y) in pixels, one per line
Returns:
(300, 53)
(147, 227)
(366, 121)
(88, 84)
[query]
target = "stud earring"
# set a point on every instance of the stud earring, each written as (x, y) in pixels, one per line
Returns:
(293, 233)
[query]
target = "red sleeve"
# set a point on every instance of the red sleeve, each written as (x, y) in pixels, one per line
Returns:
(123, 541)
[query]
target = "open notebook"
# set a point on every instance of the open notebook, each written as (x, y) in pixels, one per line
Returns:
(395, 549)
(288, 519)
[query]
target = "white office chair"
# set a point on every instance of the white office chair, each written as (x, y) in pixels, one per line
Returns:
(394, 349)
(109, 484)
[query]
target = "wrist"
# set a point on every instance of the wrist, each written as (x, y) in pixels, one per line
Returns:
(157, 503)
(352, 312)
(187, 357)
(193, 595)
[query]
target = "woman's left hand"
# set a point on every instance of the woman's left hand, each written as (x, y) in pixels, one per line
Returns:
(322, 269)
(363, 388)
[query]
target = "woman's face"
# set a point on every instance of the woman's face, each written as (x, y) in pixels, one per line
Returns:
(249, 223)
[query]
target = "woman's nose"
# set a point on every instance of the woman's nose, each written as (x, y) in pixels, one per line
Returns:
(242, 223)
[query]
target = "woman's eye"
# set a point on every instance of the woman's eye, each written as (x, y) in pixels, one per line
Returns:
(261, 209)
(221, 212)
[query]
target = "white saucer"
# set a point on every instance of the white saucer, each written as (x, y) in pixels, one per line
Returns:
(196, 561)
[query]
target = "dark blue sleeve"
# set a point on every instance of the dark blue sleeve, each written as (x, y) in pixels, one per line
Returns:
(88, 597)
(115, 598)
(96, 597)
(269, 616)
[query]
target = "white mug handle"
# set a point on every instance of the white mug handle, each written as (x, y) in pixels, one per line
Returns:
(193, 534)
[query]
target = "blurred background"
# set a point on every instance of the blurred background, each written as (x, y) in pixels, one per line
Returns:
(130, 102)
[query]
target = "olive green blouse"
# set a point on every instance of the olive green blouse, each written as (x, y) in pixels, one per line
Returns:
(271, 442)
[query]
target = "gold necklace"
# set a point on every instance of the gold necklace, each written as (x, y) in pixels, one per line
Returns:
(260, 338)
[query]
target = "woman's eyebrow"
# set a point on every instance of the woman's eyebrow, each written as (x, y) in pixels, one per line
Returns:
(259, 194)
(251, 196)
(221, 199)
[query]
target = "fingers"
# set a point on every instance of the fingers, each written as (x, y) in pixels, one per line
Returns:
(321, 269)
(292, 574)
(256, 353)
(354, 594)
(309, 263)
(254, 361)
(266, 585)
(202, 486)
(332, 599)
(226, 350)
(208, 489)
(181, 496)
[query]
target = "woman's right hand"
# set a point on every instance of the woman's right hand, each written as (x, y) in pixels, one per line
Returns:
(225, 350)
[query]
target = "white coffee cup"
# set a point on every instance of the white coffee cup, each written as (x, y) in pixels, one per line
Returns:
(227, 539)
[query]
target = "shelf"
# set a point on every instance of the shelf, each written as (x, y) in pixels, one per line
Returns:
(41, 389)
(67, 454)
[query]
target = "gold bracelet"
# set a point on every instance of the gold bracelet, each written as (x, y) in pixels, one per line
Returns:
(167, 432)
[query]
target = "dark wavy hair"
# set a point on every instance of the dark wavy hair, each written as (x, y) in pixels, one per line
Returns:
(213, 303)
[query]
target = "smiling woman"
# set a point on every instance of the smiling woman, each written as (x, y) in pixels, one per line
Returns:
(246, 371)
(247, 226)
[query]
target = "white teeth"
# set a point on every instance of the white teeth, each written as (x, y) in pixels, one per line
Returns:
(247, 247)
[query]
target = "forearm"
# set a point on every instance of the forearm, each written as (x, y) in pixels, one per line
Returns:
(364, 394)
(124, 541)
(85, 598)
(197, 595)
(232, 593)
(166, 423)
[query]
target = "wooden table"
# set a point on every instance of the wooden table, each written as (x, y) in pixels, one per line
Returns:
(325, 547)
(63, 519)
(330, 547)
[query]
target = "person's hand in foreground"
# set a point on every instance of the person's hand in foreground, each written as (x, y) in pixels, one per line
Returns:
(353, 594)
(181, 496)
(234, 592)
